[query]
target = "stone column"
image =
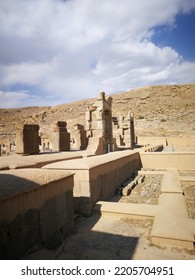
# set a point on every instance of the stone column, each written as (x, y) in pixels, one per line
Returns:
(27, 139)
(80, 137)
(132, 130)
(61, 137)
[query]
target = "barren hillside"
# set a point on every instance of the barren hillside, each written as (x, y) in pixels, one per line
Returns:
(158, 110)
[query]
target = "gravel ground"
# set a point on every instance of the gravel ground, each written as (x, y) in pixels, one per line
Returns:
(146, 192)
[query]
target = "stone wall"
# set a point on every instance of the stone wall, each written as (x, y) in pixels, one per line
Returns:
(159, 160)
(36, 207)
(97, 178)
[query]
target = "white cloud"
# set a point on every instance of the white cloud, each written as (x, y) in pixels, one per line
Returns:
(16, 98)
(73, 49)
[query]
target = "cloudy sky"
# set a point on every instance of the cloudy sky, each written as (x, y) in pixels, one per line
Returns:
(57, 51)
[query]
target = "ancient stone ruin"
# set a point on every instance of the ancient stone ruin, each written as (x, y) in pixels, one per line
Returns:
(27, 139)
(124, 130)
(79, 137)
(60, 140)
(102, 185)
(99, 126)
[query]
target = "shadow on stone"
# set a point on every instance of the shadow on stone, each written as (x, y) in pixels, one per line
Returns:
(89, 244)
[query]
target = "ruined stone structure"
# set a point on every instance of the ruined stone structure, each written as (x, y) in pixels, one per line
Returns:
(42, 194)
(97, 178)
(132, 129)
(99, 125)
(79, 137)
(60, 140)
(27, 139)
(124, 131)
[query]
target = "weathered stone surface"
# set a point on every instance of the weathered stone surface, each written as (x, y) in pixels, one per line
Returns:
(36, 206)
(126, 191)
(141, 179)
(27, 139)
(99, 124)
(60, 140)
(17, 237)
(97, 178)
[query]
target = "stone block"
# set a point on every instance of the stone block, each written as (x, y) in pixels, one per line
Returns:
(126, 191)
(35, 206)
(132, 184)
(141, 179)
(14, 237)
(27, 139)
(53, 216)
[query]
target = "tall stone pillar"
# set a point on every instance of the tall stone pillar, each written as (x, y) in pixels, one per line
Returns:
(99, 125)
(80, 137)
(132, 129)
(60, 137)
(27, 139)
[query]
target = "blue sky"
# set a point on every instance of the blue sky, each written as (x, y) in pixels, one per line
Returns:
(55, 51)
(180, 36)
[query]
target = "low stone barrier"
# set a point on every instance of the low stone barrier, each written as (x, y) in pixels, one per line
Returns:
(171, 223)
(36, 206)
(97, 178)
(37, 161)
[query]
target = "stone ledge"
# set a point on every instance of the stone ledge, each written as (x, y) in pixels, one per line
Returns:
(90, 162)
(39, 160)
(16, 182)
(171, 182)
(133, 209)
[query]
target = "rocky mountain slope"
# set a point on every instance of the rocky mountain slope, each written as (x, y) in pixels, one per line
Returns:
(158, 110)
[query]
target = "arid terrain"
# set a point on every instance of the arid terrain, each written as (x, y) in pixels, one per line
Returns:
(158, 110)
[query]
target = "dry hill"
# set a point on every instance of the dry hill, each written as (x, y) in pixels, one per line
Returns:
(158, 110)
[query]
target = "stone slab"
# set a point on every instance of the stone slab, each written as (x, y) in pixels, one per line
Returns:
(132, 209)
(171, 182)
(148, 172)
(39, 160)
(169, 226)
(187, 178)
(174, 203)
(14, 182)
(89, 162)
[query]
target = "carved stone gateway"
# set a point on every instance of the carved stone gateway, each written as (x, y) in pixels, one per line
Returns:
(99, 125)
(27, 139)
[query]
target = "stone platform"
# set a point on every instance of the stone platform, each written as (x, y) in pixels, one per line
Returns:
(97, 178)
(36, 206)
